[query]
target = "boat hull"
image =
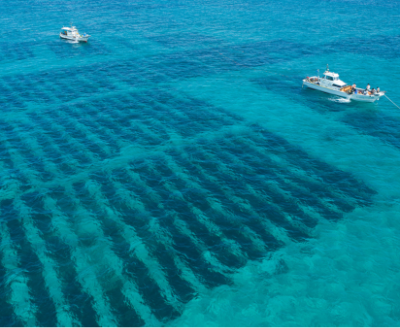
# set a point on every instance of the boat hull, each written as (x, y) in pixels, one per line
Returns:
(72, 38)
(356, 97)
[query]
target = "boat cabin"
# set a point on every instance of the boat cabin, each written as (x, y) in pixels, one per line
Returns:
(331, 79)
(68, 30)
(330, 76)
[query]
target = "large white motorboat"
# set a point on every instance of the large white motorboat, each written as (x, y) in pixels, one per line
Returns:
(330, 83)
(72, 33)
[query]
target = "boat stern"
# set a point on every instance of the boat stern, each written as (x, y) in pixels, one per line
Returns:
(84, 38)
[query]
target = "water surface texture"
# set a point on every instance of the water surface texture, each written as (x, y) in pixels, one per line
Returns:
(172, 171)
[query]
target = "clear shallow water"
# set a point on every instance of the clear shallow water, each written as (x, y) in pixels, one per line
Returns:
(173, 172)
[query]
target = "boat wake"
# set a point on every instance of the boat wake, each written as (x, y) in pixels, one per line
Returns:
(340, 100)
(72, 41)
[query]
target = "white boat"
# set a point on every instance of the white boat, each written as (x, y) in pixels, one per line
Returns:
(72, 33)
(330, 83)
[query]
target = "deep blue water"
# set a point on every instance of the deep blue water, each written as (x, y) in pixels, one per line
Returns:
(172, 171)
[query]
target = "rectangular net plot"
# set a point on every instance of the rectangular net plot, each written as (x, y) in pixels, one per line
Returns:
(153, 233)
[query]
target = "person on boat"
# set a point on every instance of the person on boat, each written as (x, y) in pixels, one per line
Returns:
(368, 88)
(378, 90)
(373, 91)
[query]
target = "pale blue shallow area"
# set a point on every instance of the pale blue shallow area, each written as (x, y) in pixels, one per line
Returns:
(172, 171)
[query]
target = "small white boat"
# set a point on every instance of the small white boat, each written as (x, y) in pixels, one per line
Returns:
(72, 33)
(330, 83)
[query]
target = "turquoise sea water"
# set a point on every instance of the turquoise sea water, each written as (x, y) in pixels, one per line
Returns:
(172, 171)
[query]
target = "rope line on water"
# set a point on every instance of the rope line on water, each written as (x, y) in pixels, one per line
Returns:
(392, 101)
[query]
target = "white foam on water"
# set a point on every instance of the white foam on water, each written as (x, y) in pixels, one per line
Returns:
(340, 100)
